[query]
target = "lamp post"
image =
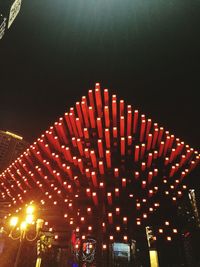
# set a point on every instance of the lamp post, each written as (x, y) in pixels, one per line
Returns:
(24, 226)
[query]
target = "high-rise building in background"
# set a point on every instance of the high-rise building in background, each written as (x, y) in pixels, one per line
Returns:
(9, 9)
(11, 146)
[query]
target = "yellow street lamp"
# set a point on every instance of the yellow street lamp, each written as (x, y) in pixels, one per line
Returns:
(13, 221)
(23, 226)
(30, 209)
(29, 218)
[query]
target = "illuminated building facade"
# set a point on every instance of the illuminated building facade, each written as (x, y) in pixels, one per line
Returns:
(9, 9)
(106, 172)
(11, 146)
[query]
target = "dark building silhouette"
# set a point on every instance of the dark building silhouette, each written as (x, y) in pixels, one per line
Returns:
(11, 146)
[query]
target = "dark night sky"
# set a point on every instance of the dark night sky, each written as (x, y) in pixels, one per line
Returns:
(147, 51)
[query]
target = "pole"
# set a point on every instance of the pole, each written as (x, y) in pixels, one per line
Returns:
(153, 254)
(39, 251)
(38, 262)
(18, 253)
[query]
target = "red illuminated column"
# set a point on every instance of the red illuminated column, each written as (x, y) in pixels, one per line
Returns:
(137, 151)
(137, 175)
(88, 192)
(101, 167)
(143, 166)
(69, 171)
(114, 132)
(144, 184)
(93, 158)
(122, 146)
(86, 153)
(149, 141)
(100, 148)
(160, 135)
(135, 121)
(155, 172)
(94, 198)
(68, 124)
(91, 99)
(80, 165)
(78, 109)
(107, 138)
(73, 123)
(129, 122)
(109, 198)
(91, 116)
(166, 161)
(172, 156)
(94, 179)
(114, 112)
(171, 141)
(149, 160)
(56, 143)
(155, 137)
(47, 150)
(85, 113)
(106, 97)
(116, 172)
(98, 102)
(87, 173)
(148, 127)
(108, 158)
(172, 171)
(150, 177)
(178, 149)
(143, 146)
(183, 159)
(189, 153)
(166, 145)
(121, 126)
(79, 127)
(107, 116)
(99, 127)
(117, 192)
(123, 182)
(161, 148)
(121, 108)
(67, 153)
(129, 140)
(63, 130)
(80, 146)
(142, 130)
(86, 133)
(155, 154)
(110, 218)
(60, 132)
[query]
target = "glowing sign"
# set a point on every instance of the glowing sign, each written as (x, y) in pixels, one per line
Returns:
(121, 251)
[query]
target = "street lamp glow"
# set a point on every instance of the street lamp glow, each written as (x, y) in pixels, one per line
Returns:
(30, 209)
(23, 226)
(29, 218)
(13, 221)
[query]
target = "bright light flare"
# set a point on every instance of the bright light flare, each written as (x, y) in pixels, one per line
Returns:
(29, 218)
(23, 226)
(13, 221)
(30, 209)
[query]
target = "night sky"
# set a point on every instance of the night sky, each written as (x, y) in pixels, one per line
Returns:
(146, 51)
